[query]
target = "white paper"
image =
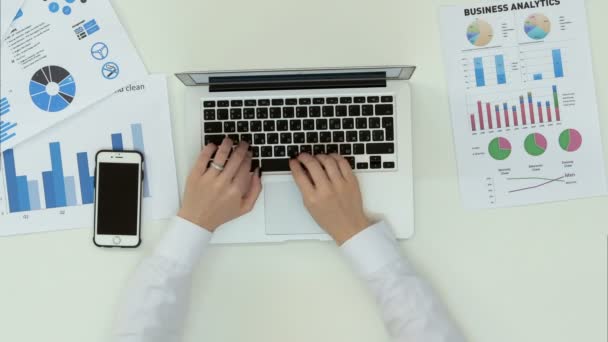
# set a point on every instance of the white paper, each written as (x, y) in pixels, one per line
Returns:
(56, 64)
(509, 53)
(9, 9)
(144, 104)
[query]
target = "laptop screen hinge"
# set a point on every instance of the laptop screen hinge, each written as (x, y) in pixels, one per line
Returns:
(296, 82)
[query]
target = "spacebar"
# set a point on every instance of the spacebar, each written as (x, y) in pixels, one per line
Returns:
(275, 165)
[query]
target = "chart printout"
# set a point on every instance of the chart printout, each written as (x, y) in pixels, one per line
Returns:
(9, 10)
(57, 58)
(523, 102)
(46, 183)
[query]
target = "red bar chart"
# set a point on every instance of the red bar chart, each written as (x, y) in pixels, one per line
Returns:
(489, 116)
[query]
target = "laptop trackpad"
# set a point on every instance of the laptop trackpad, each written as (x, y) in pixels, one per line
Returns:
(284, 211)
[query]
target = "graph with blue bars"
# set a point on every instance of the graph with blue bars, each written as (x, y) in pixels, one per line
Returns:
(55, 188)
(490, 70)
(544, 64)
(7, 128)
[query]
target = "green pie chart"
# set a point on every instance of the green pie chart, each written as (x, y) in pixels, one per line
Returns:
(500, 148)
(535, 144)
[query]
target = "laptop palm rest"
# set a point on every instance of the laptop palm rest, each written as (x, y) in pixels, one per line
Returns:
(285, 213)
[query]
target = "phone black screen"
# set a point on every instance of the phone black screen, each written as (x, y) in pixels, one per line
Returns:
(117, 199)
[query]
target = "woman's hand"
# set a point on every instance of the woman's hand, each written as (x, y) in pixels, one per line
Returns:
(214, 197)
(331, 194)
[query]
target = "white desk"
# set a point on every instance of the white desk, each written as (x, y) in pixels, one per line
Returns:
(527, 274)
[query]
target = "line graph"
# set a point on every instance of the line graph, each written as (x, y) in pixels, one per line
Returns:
(545, 182)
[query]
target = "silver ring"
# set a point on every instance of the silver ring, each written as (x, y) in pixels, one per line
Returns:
(217, 166)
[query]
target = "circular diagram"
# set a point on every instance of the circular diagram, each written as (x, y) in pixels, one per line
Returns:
(535, 144)
(570, 140)
(537, 26)
(52, 88)
(500, 148)
(99, 51)
(110, 70)
(480, 33)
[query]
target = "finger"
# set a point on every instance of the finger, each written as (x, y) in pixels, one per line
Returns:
(203, 160)
(243, 177)
(301, 177)
(331, 168)
(319, 177)
(236, 159)
(344, 165)
(221, 156)
(254, 192)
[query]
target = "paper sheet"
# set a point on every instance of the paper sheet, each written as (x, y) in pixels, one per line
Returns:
(523, 102)
(58, 58)
(9, 10)
(137, 118)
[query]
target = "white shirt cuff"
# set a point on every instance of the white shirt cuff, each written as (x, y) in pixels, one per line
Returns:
(372, 249)
(184, 242)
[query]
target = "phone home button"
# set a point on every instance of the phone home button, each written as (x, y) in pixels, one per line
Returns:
(116, 240)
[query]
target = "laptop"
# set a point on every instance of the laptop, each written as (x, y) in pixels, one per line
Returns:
(364, 114)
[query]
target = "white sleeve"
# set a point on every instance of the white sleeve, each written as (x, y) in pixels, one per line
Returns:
(155, 301)
(410, 309)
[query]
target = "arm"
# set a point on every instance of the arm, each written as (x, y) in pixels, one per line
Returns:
(155, 300)
(410, 309)
(411, 312)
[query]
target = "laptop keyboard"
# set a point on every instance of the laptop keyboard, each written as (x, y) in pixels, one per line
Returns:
(360, 128)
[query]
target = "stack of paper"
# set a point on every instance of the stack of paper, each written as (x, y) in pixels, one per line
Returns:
(72, 83)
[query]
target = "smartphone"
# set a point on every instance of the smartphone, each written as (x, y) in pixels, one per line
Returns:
(118, 196)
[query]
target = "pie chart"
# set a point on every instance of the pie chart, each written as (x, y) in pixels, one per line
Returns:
(480, 33)
(52, 88)
(537, 26)
(535, 144)
(500, 148)
(570, 140)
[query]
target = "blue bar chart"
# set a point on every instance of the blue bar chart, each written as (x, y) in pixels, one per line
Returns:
(489, 70)
(6, 127)
(56, 188)
(541, 65)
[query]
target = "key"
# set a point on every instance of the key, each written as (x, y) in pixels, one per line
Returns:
(255, 163)
(275, 165)
(292, 151)
(365, 136)
(384, 109)
(209, 114)
(236, 103)
(213, 127)
(322, 124)
(346, 100)
(312, 137)
(358, 149)
(335, 124)
(362, 166)
(375, 122)
(302, 112)
(367, 110)
(361, 123)
(295, 125)
(308, 124)
(256, 126)
(388, 165)
(291, 102)
(318, 100)
(229, 127)
(279, 151)
(380, 148)
(328, 111)
(351, 161)
(259, 139)
(333, 148)
(275, 112)
(249, 113)
(234, 138)
(208, 104)
(305, 101)
(352, 136)
(285, 138)
(387, 124)
(223, 104)
(348, 123)
(354, 110)
(325, 137)
(242, 126)
(250, 103)
(262, 113)
(373, 99)
(222, 114)
(282, 125)
(299, 138)
(306, 149)
(288, 112)
(214, 138)
(318, 149)
(332, 100)
(386, 99)
(277, 102)
(248, 138)
(359, 99)
(378, 135)
(341, 111)
(338, 137)
(269, 126)
(346, 149)
(315, 112)
(264, 102)
(266, 151)
(272, 138)
(255, 151)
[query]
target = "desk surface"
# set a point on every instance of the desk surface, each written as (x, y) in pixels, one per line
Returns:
(524, 274)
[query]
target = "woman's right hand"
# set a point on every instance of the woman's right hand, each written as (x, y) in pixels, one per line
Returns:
(214, 197)
(331, 194)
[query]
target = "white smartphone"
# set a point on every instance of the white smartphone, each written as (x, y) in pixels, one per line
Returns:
(118, 189)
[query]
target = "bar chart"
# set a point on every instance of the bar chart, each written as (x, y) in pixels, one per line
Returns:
(526, 110)
(54, 188)
(488, 71)
(538, 65)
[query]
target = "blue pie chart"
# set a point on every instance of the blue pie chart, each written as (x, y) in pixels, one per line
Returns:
(52, 88)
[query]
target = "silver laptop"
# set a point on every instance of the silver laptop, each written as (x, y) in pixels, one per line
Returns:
(363, 114)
